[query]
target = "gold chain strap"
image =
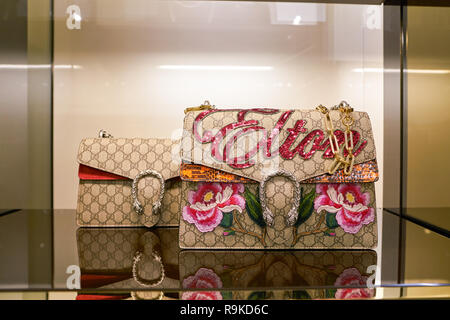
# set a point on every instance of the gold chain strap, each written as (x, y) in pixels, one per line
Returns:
(347, 120)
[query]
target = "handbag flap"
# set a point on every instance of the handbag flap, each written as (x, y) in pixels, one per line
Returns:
(107, 254)
(237, 144)
(128, 157)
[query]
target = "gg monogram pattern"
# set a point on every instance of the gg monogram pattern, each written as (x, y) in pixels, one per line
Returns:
(109, 202)
(127, 157)
(107, 249)
(112, 250)
(279, 192)
(196, 152)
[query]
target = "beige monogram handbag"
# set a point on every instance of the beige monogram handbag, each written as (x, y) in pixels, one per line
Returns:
(128, 182)
(278, 179)
(128, 258)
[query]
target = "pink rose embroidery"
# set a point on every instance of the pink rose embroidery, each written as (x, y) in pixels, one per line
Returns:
(210, 201)
(203, 279)
(352, 277)
(349, 204)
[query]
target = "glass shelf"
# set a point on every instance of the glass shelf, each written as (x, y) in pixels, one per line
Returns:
(56, 255)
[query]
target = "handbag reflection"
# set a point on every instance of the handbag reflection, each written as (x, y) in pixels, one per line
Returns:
(128, 182)
(345, 273)
(118, 258)
(272, 178)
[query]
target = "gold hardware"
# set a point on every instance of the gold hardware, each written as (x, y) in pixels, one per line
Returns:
(205, 106)
(322, 109)
(335, 164)
(347, 120)
(334, 144)
(350, 161)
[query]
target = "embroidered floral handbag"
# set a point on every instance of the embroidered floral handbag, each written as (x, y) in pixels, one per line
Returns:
(348, 274)
(270, 178)
(128, 182)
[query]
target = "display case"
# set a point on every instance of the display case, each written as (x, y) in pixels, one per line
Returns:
(71, 68)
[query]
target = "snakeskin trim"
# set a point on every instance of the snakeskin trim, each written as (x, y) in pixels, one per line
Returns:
(364, 172)
(198, 172)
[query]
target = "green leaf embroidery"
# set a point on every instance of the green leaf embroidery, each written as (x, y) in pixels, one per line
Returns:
(330, 219)
(330, 293)
(330, 233)
(331, 277)
(227, 220)
(257, 295)
(253, 207)
(228, 232)
(306, 207)
(227, 279)
(300, 295)
(227, 295)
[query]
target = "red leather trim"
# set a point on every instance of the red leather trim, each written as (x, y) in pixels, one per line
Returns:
(101, 297)
(89, 173)
(98, 280)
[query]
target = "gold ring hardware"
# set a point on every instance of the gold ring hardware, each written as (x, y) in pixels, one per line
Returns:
(205, 106)
(347, 121)
(143, 282)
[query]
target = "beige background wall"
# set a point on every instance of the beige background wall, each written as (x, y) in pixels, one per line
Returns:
(428, 144)
(108, 73)
(25, 108)
(428, 107)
